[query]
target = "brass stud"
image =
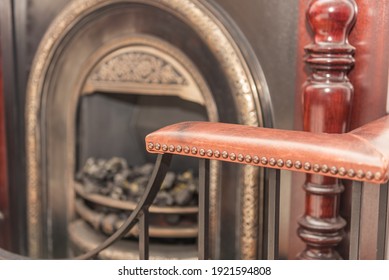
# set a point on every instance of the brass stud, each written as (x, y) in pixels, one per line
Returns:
(298, 164)
(209, 153)
(307, 166)
(248, 158)
(351, 173)
(186, 150)
(240, 157)
(316, 167)
(289, 163)
(272, 161)
(334, 170)
(360, 174)
(377, 176)
(256, 159)
(150, 146)
(179, 149)
(232, 156)
(264, 160)
(217, 154)
(171, 148)
(225, 154)
(157, 146)
(164, 147)
(324, 168)
(280, 163)
(369, 175)
(194, 150)
(202, 152)
(342, 171)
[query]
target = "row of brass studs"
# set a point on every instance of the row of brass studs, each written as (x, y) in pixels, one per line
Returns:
(271, 161)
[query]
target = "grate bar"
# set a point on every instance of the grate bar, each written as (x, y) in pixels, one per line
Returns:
(272, 212)
(144, 235)
(355, 222)
(382, 222)
(203, 216)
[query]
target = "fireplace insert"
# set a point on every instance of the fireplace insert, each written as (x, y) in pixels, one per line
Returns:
(107, 73)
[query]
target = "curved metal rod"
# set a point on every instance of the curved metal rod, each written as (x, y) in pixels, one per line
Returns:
(160, 169)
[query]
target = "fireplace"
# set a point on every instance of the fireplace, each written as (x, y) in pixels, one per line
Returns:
(108, 72)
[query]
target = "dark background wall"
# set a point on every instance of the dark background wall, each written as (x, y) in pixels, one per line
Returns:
(271, 29)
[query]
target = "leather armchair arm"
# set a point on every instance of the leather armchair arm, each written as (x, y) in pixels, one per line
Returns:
(361, 154)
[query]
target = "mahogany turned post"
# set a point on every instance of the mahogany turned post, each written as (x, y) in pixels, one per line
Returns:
(327, 99)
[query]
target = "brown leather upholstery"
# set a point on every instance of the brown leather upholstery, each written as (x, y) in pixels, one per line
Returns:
(361, 154)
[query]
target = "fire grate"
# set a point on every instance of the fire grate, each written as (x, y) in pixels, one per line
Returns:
(108, 190)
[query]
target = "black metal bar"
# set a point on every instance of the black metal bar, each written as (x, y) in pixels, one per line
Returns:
(160, 169)
(382, 221)
(355, 221)
(203, 217)
(272, 212)
(144, 235)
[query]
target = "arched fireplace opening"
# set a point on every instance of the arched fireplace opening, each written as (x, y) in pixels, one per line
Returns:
(106, 73)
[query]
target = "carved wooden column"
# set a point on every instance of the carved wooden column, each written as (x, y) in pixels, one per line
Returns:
(327, 98)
